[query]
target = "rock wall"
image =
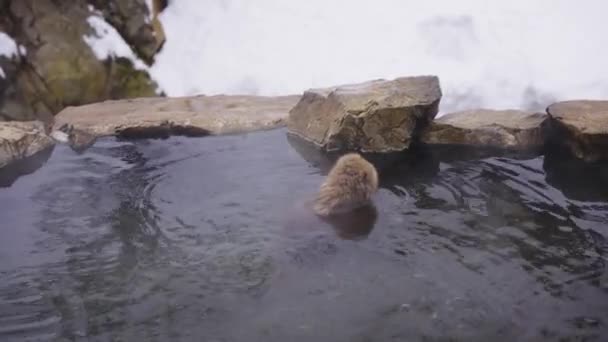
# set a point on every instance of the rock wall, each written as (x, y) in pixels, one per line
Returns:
(358, 117)
(55, 67)
(21, 140)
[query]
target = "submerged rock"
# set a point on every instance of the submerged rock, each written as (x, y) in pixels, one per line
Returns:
(374, 116)
(582, 126)
(77, 139)
(20, 140)
(486, 128)
(194, 116)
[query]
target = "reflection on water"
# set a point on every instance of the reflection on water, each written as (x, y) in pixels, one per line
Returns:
(354, 225)
(211, 239)
(10, 173)
(575, 178)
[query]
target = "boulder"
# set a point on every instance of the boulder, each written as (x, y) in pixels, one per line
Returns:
(375, 116)
(154, 116)
(500, 129)
(22, 139)
(581, 126)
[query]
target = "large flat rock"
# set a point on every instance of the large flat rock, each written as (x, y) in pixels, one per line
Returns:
(374, 116)
(22, 139)
(500, 129)
(582, 126)
(196, 115)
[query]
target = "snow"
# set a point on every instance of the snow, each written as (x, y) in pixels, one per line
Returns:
(107, 42)
(8, 48)
(504, 54)
(150, 10)
(60, 136)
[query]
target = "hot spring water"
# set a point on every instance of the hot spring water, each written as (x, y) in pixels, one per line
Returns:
(206, 239)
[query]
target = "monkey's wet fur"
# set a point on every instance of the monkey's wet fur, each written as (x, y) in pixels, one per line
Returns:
(349, 185)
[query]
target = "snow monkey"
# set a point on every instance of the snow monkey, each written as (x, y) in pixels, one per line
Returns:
(349, 185)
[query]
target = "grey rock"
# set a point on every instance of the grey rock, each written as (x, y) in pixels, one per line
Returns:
(77, 139)
(154, 116)
(581, 126)
(375, 116)
(20, 140)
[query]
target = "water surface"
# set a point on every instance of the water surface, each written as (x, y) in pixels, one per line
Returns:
(209, 239)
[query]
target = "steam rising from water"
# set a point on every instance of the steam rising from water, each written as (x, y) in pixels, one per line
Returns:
(518, 54)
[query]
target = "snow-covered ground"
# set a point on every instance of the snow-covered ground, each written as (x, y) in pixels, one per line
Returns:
(487, 53)
(496, 54)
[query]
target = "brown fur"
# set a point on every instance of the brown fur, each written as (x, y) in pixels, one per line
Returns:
(349, 185)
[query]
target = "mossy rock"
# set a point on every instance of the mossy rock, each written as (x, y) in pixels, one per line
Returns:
(128, 82)
(75, 79)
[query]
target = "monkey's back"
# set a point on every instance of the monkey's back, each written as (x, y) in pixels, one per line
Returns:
(349, 185)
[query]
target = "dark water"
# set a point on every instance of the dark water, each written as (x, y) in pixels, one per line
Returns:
(208, 239)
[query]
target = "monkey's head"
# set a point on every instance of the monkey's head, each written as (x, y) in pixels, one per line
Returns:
(350, 184)
(354, 165)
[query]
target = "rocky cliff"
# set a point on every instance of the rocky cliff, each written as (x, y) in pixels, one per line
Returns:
(54, 66)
